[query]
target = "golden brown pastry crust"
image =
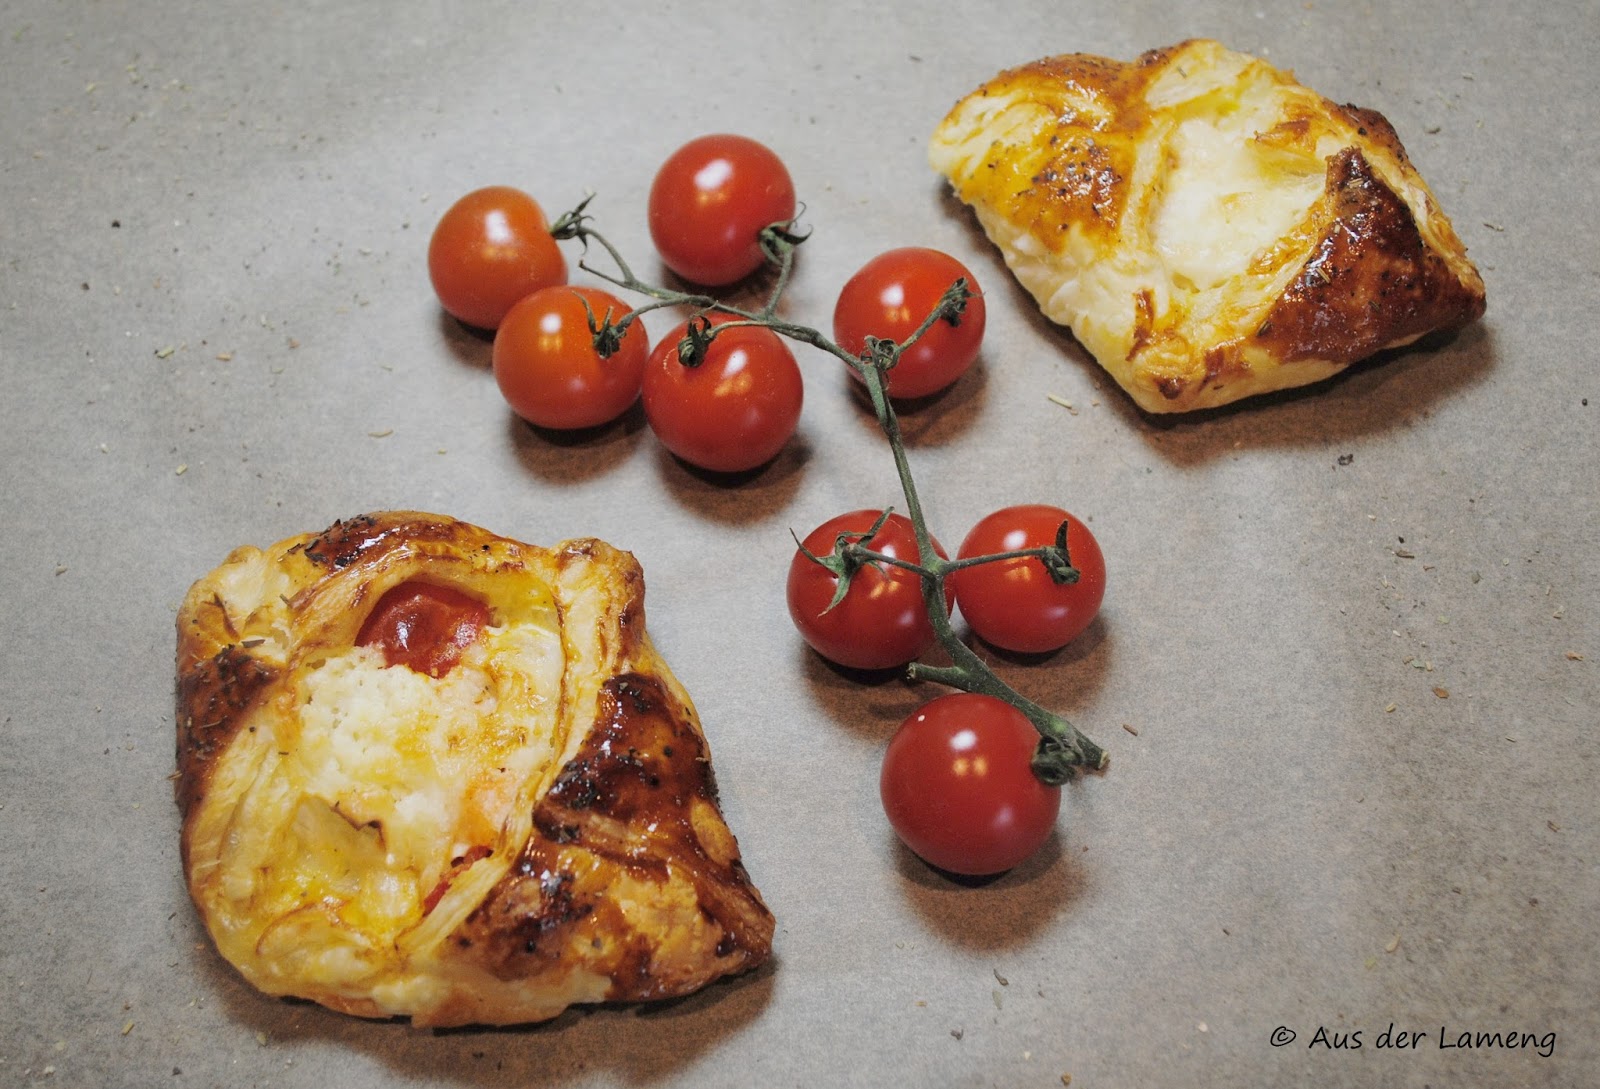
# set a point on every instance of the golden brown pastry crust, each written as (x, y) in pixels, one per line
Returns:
(606, 873)
(1209, 228)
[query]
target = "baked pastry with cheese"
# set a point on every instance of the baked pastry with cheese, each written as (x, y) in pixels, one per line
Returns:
(428, 771)
(1209, 228)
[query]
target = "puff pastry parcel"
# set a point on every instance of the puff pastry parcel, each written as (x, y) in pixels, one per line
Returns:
(1209, 228)
(428, 771)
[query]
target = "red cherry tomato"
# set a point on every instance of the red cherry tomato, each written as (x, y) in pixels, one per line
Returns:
(733, 410)
(709, 203)
(1015, 604)
(492, 247)
(547, 367)
(958, 788)
(882, 621)
(423, 626)
(891, 297)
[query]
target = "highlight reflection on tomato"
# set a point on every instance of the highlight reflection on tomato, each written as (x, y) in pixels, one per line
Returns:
(890, 297)
(489, 249)
(735, 408)
(1015, 604)
(709, 203)
(882, 622)
(958, 785)
(548, 369)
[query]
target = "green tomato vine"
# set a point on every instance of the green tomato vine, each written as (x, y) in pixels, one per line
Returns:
(1062, 748)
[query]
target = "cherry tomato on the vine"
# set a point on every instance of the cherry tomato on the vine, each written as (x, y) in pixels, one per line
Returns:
(735, 408)
(891, 296)
(958, 787)
(709, 203)
(1015, 604)
(548, 369)
(491, 248)
(882, 621)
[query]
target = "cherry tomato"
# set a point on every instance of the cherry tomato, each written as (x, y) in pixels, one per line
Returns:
(547, 367)
(882, 621)
(1015, 604)
(709, 203)
(958, 788)
(492, 247)
(891, 297)
(733, 410)
(423, 626)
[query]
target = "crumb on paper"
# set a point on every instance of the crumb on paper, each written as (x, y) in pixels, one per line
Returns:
(1131, 729)
(1389, 710)
(1394, 943)
(180, 470)
(1442, 692)
(385, 433)
(1553, 826)
(1574, 656)
(1000, 979)
(1063, 402)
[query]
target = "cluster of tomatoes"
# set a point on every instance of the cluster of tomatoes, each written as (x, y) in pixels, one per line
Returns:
(957, 783)
(731, 408)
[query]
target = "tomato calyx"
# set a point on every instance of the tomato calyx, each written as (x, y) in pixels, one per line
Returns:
(607, 334)
(697, 340)
(778, 240)
(1058, 561)
(849, 556)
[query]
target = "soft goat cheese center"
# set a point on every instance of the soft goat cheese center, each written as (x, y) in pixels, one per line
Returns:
(394, 775)
(1227, 198)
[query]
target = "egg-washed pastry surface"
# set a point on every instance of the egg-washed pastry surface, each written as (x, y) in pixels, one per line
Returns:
(1209, 228)
(432, 772)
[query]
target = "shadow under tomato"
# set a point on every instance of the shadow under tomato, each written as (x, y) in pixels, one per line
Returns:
(467, 344)
(569, 457)
(999, 912)
(933, 420)
(867, 702)
(753, 495)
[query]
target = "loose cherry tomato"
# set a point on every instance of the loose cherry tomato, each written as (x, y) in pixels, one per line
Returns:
(1015, 604)
(734, 409)
(709, 203)
(423, 626)
(891, 297)
(958, 788)
(492, 247)
(882, 621)
(547, 367)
